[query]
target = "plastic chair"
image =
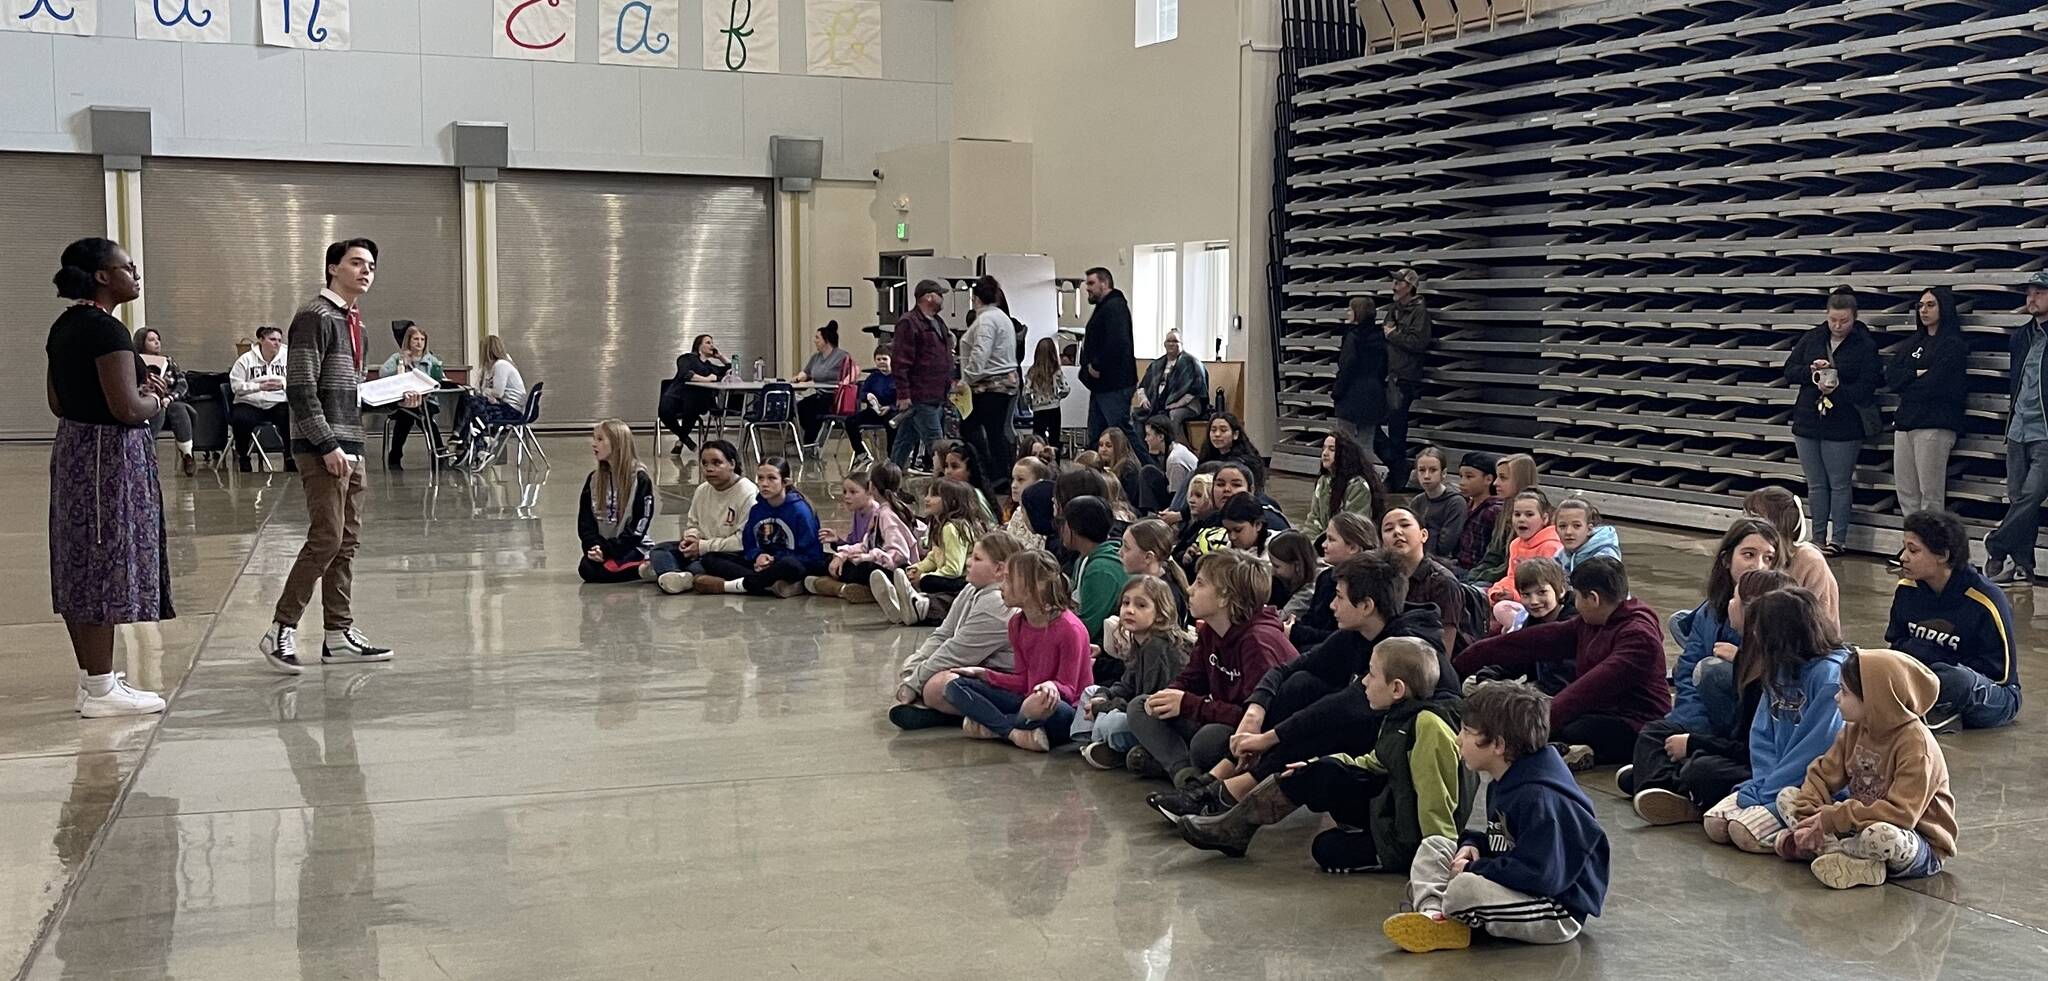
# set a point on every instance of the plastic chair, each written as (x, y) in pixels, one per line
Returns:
(774, 408)
(227, 401)
(498, 436)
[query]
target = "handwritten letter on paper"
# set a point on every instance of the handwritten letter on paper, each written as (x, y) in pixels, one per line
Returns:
(640, 32)
(204, 21)
(321, 24)
(844, 37)
(741, 36)
(76, 17)
(537, 30)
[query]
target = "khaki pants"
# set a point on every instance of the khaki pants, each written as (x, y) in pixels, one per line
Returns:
(334, 508)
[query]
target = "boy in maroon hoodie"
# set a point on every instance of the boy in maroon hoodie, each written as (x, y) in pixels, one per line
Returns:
(1613, 652)
(1238, 638)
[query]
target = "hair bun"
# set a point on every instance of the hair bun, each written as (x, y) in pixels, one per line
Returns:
(1843, 291)
(74, 283)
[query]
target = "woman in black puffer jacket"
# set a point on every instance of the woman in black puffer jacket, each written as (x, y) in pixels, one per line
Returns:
(1836, 369)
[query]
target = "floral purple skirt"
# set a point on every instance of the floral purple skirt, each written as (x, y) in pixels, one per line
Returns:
(108, 563)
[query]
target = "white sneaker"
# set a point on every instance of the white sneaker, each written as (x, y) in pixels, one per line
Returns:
(120, 700)
(914, 612)
(900, 579)
(349, 646)
(646, 572)
(280, 648)
(675, 583)
(885, 595)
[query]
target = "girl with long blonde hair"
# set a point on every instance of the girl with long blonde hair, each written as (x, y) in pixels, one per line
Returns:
(616, 508)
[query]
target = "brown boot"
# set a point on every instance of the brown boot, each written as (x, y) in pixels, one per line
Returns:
(856, 593)
(823, 586)
(1231, 832)
(708, 586)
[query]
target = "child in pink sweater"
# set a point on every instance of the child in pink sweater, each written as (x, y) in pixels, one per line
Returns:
(1032, 707)
(1535, 538)
(880, 539)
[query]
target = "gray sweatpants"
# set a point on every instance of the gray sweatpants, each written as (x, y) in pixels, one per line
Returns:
(1920, 468)
(1479, 902)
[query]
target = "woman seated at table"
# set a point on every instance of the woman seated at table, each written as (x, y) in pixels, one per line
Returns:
(412, 355)
(830, 366)
(682, 403)
(499, 398)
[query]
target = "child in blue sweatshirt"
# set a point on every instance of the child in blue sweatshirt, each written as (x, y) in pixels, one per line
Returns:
(780, 541)
(1956, 622)
(1787, 648)
(1582, 534)
(1540, 869)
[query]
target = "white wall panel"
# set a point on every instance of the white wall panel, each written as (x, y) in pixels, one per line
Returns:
(793, 105)
(449, 27)
(476, 90)
(391, 26)
(152, 77)
(691, 114)
(366, 98)
(28, 105)
(245, 94)
(882, 116)
(46, 202)
(586, 109)
(910, 40)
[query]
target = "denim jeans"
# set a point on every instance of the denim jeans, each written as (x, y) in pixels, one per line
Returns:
(1983, 703)
(2026, 486)
(1112, 410)
(916, 430)
(997, 708)
(1714, 679)
(1830, 466)
(1112, 727)
(668, 557)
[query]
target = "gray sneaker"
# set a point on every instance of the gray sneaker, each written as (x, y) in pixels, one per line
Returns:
(2013, 577)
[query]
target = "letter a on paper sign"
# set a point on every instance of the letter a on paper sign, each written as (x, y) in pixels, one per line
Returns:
(640, 32)
(537, 30)
(204, 21)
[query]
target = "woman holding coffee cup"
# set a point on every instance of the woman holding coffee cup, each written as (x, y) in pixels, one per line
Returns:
(1837, 370)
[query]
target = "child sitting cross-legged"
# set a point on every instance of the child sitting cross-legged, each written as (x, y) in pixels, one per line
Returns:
(925, 589)
(1147, 637)
(1408, 787)
(1033, 706)
(780, 542)
(616, 506)
(1581, 534)
(879, 541)
(1789, 651)
(1539, 869)
(976, 632)
(1687, 762)
(1899, 821)
(715, 525)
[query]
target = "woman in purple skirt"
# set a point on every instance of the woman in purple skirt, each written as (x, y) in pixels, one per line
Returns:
(108, 564)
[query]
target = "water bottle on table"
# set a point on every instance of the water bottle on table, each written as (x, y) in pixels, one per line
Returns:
(760, 366)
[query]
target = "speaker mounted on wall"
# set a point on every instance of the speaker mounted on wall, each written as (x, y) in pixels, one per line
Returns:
(795, 161)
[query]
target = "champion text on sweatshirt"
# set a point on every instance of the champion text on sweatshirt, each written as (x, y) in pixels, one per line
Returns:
(1541, 837)
(1224, 670)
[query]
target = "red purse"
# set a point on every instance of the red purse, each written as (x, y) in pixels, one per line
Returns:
(847, 401)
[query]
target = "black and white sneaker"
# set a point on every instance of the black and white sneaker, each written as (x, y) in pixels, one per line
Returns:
(280, 649)
(1942, 725)
(349, 646)
(2013, 577)
(1203, 801)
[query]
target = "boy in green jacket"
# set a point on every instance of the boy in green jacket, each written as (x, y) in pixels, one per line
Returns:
(1385, 802)
(1098, 574)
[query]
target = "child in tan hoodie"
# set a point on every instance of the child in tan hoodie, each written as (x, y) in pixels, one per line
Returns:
(1899, 820)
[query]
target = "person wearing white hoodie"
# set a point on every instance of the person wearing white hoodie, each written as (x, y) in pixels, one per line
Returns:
(718, 513)
(976, 632)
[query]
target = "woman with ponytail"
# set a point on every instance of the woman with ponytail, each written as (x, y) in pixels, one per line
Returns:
(1836, 369)
(988, 366)
(108, 564)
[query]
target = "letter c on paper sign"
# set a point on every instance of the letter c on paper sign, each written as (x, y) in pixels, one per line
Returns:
(514, 15)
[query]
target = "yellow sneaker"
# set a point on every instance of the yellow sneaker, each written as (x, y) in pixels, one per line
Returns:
(1420, 933)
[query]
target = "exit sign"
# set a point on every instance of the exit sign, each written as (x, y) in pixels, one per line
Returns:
(902, 231)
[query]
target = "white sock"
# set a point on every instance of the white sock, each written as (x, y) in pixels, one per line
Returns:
(185, 447)
(736, 587)
(98, 685)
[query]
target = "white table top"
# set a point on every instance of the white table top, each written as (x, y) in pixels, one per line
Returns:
(755, 386)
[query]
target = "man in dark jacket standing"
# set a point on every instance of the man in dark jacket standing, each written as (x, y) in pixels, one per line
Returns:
(1360, 396)
(2026, 447)
(1407, 331)
(923, 370)
(1109, 362)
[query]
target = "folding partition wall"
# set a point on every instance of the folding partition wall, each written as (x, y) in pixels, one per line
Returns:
(47, 202)
(1627, 213)
(603, 279)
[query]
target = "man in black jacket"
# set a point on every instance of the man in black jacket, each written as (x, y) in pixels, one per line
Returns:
(1109, 363)
(2026, 447)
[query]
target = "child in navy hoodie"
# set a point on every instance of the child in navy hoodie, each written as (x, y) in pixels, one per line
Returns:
(1540, 868)
(780, 539)
(1956, 622)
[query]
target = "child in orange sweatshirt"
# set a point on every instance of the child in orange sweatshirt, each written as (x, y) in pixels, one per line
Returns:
(1535, 538)
(1899, 821)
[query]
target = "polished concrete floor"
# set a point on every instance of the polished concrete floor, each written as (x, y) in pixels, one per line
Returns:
(565, 781)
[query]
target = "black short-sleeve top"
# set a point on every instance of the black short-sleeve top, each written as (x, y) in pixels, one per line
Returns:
(77, 340)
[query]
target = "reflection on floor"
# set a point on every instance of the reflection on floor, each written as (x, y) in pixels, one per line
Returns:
(563, 781)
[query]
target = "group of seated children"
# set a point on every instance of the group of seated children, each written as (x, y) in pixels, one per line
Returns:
(1073, 619)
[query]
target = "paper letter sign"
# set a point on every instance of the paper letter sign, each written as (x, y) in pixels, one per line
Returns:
(741, 36)
(844, 37)
(318, 24)
(537, 30)
(77, 17)
(640, 32)
(182, 20)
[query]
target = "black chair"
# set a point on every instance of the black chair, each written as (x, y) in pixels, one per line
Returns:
(279, 443)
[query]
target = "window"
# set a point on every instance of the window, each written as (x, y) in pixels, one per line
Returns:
(1205, 298)
(1158, 20)
(1155, 296)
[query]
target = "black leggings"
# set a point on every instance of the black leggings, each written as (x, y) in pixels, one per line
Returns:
(865, 419)
(757, 583)
(1705, 778)
(811, 413)
(989, 430)
(596, 572)
(1046, 423)
(1612, 738)
(856, 573)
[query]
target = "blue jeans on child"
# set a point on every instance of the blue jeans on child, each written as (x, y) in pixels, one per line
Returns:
(998, 708)
(1714, 679)
(1112, 727)
(1983, 703)
(668, 557)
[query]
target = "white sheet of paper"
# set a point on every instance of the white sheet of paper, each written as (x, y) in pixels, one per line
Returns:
(648, 33)
(535, 30)
(200, 21)
(742, 36)
(386, 391)
(80, 18)
(313, 26)
(844, 37)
